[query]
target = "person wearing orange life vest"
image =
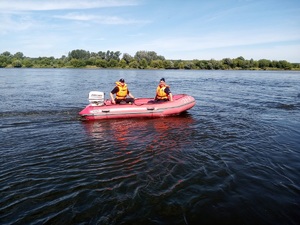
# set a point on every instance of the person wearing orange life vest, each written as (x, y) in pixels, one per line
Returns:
(121, 90)
(163, 92)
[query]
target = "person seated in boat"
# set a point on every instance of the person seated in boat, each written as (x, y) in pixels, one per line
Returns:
(163, 92)
(121, 90)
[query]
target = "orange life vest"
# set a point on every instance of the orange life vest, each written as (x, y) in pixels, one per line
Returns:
(123, 90)
(160, 92)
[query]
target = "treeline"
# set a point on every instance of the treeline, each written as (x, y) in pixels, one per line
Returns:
(141, 60)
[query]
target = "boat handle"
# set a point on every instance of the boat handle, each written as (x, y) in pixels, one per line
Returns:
(150, 108)
(105, 110)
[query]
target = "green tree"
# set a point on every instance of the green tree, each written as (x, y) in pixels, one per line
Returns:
(128, 58)
(77, 63)
(143, 64)
(93, 54)
(91, 61)
(116, 55)
(168, 64)
(253, 63)
(17, 63)
(264, 63)
(227, 62)
(79, 54)
(157, 64)
(147, 55)
(209, 66)
(285, 64)
(215, 64)
(134, 64)
(122, 64)
(44, 62)
(113, 63)
(101, 54)
(6, 59)
(7, 54)
(189, 65)
(101, 63)
(109, 55)
(142, 60)
(240, 62)
(3, 61)
(181, 65)
(19, 55)
(27, 62)
(201, 64)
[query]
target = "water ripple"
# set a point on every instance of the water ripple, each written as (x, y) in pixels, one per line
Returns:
(236, 151)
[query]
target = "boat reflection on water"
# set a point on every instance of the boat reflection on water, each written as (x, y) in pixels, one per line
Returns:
(162, 132)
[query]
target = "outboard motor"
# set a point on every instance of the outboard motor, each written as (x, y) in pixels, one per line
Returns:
(96, 98)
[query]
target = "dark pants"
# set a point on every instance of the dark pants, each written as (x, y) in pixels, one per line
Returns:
(124, 101)
(161, 100)
(155, 101)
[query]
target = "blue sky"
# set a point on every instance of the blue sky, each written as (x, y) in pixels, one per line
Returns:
(175, 29)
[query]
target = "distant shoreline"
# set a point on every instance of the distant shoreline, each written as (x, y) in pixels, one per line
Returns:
(99, 68)
(141, 60)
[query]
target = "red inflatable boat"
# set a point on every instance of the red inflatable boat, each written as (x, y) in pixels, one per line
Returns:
(142, 107)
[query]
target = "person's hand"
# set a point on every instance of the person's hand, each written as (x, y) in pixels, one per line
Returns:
(113, 102)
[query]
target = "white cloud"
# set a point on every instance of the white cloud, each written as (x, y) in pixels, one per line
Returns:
(15, 23)
(99, 19)
(204, 36)
(222, 40)
(270, 44)
(38, 5)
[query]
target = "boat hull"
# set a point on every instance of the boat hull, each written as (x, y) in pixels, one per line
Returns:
(142, 107)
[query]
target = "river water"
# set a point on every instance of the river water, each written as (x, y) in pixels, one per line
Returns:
(232, 159)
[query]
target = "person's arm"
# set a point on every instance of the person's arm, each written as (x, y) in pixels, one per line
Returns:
(130, 95)
(169, 93)
(112, 98)
(114, 91)
(170, 97)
